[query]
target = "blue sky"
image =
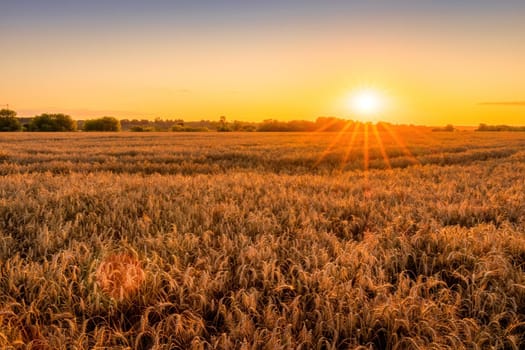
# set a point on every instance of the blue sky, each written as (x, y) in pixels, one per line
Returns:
(91, 10)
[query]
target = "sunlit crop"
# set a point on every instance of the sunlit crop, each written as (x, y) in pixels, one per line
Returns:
(263, 241)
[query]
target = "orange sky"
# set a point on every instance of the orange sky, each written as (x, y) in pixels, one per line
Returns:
(433, 70)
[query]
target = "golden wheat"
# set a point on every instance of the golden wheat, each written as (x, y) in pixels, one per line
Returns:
(162, 241)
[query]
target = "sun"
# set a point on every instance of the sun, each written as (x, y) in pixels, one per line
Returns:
(366, 103)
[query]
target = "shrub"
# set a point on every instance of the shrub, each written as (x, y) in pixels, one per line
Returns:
(52, 122)
(9, 121)
(102, 124)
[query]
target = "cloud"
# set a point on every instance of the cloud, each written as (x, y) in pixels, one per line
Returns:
(503, 103)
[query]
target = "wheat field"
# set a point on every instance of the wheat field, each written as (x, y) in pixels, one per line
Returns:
(372, 239)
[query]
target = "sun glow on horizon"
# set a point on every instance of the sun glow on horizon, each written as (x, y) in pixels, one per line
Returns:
(366, 103)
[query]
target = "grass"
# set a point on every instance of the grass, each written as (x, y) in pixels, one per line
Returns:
(243, 241)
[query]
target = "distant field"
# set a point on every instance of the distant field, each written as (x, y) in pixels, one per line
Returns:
(380, 238)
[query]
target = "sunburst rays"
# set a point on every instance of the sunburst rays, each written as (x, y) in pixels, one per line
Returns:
(325, 126)
(334, 142)
(366, 151)
(381, 147)
(395, 136)
(350, 146)
(373, 138)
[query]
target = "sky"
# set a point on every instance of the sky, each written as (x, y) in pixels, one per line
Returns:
(433, 62)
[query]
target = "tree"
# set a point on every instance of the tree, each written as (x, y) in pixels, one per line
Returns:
(52, 122)
(9, 121)
(223, 125)
(102, 124)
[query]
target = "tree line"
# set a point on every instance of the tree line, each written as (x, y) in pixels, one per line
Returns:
(63, 122)
(485, 127)
(54, 122)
